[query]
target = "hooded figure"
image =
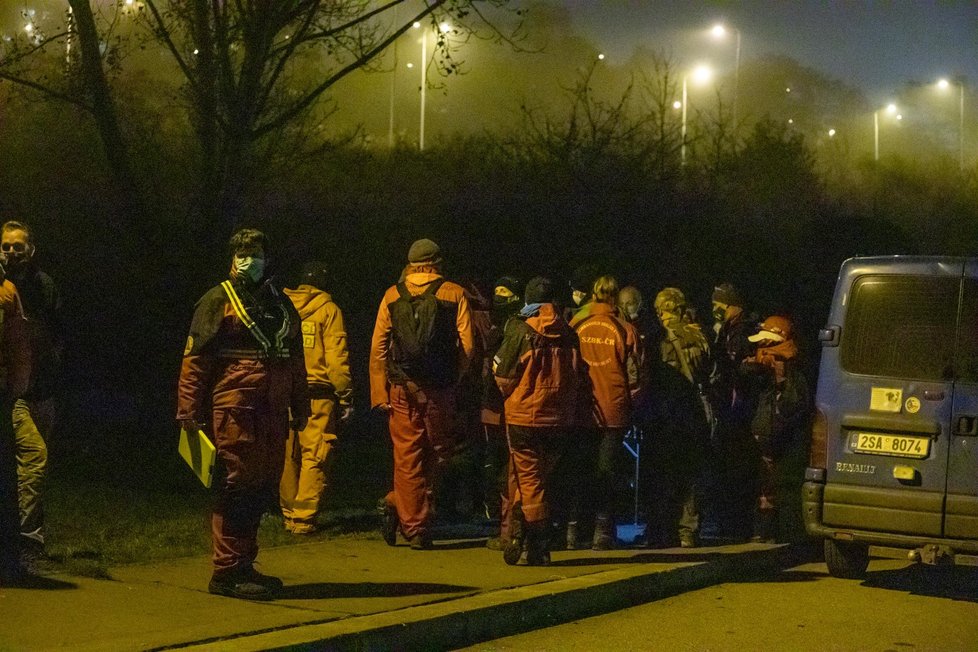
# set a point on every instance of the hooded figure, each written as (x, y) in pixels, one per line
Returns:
(541, 376)
(309, 456)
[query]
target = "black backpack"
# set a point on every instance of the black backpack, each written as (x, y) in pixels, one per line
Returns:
(424, 338)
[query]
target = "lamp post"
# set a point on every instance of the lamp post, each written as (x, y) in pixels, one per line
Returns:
(720, 31)
(701, 74)
(944, 84)
(891, 109)
(424, 84)
(444, 28)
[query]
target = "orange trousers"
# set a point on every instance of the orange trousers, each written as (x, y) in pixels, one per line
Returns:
(534, 453)
(421, 427)
(307, 464)
(250, 446)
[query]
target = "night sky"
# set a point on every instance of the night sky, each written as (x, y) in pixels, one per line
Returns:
(875, 46)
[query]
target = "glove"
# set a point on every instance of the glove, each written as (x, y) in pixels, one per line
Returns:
(190, 425)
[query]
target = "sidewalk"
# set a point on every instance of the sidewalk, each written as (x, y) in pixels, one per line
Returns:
(360, 594)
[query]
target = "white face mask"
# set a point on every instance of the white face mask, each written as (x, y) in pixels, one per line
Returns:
(249, 267)
(632, 309)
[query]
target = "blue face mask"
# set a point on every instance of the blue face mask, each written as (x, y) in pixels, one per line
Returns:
(249, 267)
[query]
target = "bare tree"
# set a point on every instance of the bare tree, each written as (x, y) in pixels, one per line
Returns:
(250, 68)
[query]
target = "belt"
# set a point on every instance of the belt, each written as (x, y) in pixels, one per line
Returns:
(251, 354)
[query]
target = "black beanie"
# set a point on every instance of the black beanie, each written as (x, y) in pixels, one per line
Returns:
(583, 278)
(316, 274)
(540, 290)
(511, 283)
(726, 293)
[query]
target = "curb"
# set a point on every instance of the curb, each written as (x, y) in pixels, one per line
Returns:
(459, 622)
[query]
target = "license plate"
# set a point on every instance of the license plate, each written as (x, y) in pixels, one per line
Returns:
(895, 445)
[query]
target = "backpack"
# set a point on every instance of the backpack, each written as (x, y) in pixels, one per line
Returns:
(424, 338)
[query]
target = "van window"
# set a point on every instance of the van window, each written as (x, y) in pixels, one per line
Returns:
(901, 326)
(967, 350)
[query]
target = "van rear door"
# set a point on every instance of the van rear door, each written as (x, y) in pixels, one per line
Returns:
(893, 392)
(961, 515)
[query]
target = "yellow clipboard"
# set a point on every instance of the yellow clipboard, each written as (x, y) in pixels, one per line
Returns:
(199, 454)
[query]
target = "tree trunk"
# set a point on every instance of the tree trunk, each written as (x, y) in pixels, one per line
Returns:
(106, 117)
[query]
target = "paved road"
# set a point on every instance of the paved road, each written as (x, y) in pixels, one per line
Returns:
(898, 608)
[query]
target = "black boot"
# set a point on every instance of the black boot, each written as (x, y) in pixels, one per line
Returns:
(764, 526)
(604, 533)
(538, 544)
(572, 535)
(513, 549)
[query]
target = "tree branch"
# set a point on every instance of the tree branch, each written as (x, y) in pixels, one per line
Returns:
(311, 97)
(44, 90)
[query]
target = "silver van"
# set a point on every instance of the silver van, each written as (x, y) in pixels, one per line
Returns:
(894, 451)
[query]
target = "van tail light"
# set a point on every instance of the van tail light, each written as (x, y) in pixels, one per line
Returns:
(818, 453)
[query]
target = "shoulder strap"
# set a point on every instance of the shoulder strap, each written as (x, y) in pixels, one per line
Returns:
(403, 291)
(243, 315)
(434, 285)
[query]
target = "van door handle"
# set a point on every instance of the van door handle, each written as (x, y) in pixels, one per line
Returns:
(967, 426)
(934, 394)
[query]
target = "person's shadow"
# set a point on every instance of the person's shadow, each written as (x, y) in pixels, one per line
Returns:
(331, 590)
(39, 582)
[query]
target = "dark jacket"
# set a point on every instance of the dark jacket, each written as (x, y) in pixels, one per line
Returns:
(41, 303)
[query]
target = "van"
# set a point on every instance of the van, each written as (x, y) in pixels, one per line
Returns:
(894, 452)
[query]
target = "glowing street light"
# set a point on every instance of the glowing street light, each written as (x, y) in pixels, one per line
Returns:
(444, 28)
(701, 75)
(891, 109)
(944, 85)
(719, 31)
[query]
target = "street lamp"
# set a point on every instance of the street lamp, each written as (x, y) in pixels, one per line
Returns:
(719, 31)
(444, 28)
(701, 75)
(944, 84)
(891, 109)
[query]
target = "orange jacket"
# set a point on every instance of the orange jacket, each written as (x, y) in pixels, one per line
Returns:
(323, 341)
(15, 350)
(611, 347)
(417, 280)
(539, 371)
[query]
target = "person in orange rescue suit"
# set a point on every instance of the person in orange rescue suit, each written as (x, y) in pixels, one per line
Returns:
(540, 374)
(422, 344)
(243, 361)
(15, 370)
(611, 348)
(309, 453)
(779, 425)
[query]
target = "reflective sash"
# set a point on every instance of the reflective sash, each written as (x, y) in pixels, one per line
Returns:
(245, 318)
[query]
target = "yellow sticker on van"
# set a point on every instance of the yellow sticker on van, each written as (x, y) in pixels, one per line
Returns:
(886, 399)
(912, 405)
